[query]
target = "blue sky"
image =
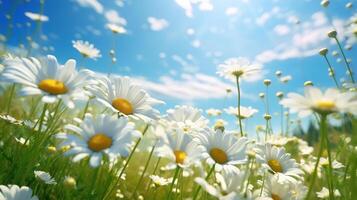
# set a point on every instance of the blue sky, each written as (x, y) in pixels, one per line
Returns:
(178, 62)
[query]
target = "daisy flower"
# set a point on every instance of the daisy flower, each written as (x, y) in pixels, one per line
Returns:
(275, 160)
(185, 118)
(121, 95)
(180, 149)
(14, 192)
(160, 181)
(325, 194)
(45, 177)
(222, 149)
(213, 112)
(49, 79)
(276, 189)
(36, 17)
(116, 29)
(86, 49)
(230, 186)
(240, 67)
(245, 112)
(102, 135)
(323, 103)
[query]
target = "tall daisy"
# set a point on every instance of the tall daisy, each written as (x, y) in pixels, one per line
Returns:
(48, 78)
(245, 112)
(14, 192)
(277, 161)
(222, 150)
(314, 100)
(185, 118)
(36, 17)
(240, 67)
(99, 136)
(237, 69)
(180, 149)
(121, 95)
(86, 49)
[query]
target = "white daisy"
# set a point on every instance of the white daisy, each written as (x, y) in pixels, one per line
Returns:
(222, 149)
(324, 103)
(285, 79)
(276, 189)
(121, 95)
(49, 79)
(160, 181)
(180, 149)
(245, 112)
(37, 17)
(213, 112)
(102, 135)
(275, 160)
(240, 67)
(185, 118)
(325, 194)
(230, 186)
(45, 177)
(14, 192)
(86, 49)
(116, 29)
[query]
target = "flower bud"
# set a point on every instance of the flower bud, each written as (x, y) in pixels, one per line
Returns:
(308, 83)
(267, 82)
(349, 5)
(280, 95)
(325, 3)
(261, 95)
(267, 117)
(278, 73)
(69, 182)
(332, 34)
(323, 51)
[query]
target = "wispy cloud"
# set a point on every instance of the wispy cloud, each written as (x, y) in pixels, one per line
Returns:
(98, 7)
(157, 24)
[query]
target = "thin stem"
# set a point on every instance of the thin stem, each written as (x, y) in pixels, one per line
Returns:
(332, 71)
(12, 90)
(239, 116)
(153, 173)
(330, 175)
(282, 119)
(173, 182)
(85, 109)
(143, 173)
(126, 163)
(199, 187)
(345, 59)
(261, 190)
(314, 174)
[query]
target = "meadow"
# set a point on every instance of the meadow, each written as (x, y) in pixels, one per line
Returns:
(68, 132)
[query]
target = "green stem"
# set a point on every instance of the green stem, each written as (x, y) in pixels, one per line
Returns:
(345, 59)
(85, 109)
(314, 174)
(239, 116)
(12, 90)
(143, 173)
(199, 187)
(126, 163)
(282, 119)
(330, 169)
(153, 173)
(261, 190)
(173, 182)
(332, 71)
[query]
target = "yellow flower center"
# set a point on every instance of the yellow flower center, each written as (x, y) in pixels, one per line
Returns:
(238, 73)
(53, 86)
(99, 142)
(219, 155)
(275, 165)
(325, 105)
(275, 197)
(180, 156)
(123, 105)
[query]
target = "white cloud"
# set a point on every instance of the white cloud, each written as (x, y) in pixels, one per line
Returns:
(281, 29)
(230, 11)
(263, 19)
(113, 17)
(304, 43)
(186, 5)
(157, 24)
(206, 6)
(92, 4)
(188, 87)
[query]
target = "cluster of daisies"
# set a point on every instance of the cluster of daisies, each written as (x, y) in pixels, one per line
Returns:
(224, 164)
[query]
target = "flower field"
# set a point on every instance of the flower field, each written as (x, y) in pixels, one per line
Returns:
(68, 131)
